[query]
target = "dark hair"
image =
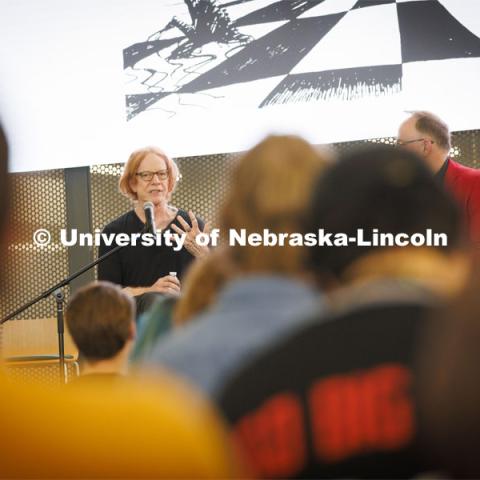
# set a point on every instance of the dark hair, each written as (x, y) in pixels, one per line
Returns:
(377, 187)
(448, 387)
(99, 318)
(4, 194)
(4, 180)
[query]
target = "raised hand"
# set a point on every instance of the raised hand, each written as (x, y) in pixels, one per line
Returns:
(192, 231)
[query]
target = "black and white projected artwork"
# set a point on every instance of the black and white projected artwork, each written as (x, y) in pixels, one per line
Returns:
(88, 81)
(291, 52)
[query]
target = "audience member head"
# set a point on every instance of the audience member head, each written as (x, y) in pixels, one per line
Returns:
(448, 385)
(426, 135)
(101, 320)
(388, 189)
(204, 280)
(270, 188)
(129, 179)
(4, 187)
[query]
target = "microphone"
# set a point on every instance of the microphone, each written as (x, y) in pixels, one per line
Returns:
(149, 217)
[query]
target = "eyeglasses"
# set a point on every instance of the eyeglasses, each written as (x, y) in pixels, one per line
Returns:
(401, 143)
(148, 176)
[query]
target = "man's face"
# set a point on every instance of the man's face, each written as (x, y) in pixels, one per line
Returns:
(410, 138)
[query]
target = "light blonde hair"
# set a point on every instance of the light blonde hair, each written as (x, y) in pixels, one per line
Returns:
(204, 280)
(271, 188)
(133, 163)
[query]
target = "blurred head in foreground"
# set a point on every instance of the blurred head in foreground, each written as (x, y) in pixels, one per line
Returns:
(3, 176)
(270, 189)
(4, 188)
(101, 320)
(449, 386)
(117, 431)
(204, 280)
(385, 191)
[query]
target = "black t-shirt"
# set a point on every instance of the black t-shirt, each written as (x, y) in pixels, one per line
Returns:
(335, 400)
(139, 265)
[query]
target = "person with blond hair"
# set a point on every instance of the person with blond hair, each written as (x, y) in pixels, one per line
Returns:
(266, 288)
(100, 430)
(204, 282)
(144, 271)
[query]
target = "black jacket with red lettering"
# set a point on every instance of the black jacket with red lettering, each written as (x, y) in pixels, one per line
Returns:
(336, 399)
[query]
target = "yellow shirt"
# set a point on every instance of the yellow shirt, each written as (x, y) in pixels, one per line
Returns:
(138, 428)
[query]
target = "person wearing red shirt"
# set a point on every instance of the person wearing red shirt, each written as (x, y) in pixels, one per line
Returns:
(428, 136)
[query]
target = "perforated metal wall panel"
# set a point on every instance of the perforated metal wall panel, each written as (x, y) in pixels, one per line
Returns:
(465, 146)
(107, 201)
(46, 374)
(39, 202)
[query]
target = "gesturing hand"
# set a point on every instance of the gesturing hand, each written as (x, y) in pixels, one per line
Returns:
(192, 231)
(168, 284)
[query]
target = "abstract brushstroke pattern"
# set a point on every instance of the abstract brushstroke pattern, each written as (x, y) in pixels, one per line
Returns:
(347, 84)
(288, 52)
(210, 23)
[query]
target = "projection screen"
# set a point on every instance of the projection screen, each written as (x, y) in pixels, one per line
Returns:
(86, 82)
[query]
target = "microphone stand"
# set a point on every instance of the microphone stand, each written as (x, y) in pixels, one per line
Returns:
(56, 290)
